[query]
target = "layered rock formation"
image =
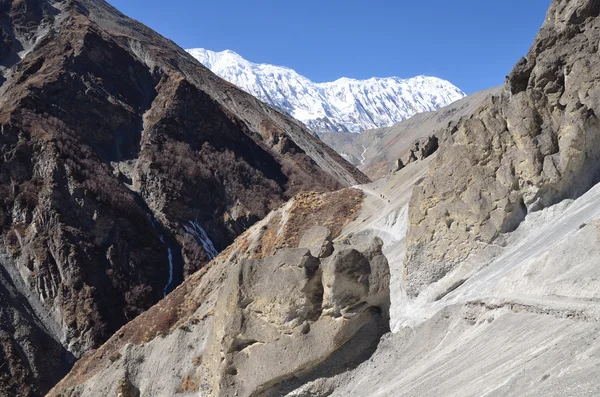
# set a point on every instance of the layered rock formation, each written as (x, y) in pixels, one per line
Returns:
(288, 318)
(532, 146)
(126, 167)
(32, 360)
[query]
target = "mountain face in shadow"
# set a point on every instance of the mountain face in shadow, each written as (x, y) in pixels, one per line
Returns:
(126, 166)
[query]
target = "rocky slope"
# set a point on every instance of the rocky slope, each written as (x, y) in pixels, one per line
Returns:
(485, 297)
(275, 310)
(345, 105)
(531, 147)
(376, 151)
(126, 166)
(519, 319)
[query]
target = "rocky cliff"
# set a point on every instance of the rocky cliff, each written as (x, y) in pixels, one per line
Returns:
(376, 151)
(535, 144)
(126, 166)
(275, 310)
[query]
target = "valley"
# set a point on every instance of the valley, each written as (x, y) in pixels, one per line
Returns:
(167, 233)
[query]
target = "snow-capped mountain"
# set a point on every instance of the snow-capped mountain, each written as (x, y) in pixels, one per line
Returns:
(343, 105)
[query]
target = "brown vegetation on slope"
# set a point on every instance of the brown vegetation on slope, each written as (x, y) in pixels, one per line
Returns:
(334, 209)
(114, 140)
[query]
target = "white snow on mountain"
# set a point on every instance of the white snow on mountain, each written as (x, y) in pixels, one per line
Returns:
(343, 105)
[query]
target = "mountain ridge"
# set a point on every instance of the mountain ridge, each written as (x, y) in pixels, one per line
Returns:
(479, 255)
(375, 152)
(343, 105)
(127, 166)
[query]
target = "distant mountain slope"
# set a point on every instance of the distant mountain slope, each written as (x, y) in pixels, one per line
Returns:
(375, 151)
(343, 105)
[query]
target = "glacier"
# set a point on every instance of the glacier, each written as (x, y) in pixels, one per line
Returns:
(344, 105)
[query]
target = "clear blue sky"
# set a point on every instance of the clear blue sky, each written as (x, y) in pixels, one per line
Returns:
(472, 43)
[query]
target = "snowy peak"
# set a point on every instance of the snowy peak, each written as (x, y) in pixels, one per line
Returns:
(343, 105)
(212, 59)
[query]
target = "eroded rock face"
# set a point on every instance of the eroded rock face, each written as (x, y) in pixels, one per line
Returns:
(536, 144)
(318, 240)
(127, 166)
(269, 280)
(281, 318)
(172, 336)
(36, 360)
(419, 150)
(249, 327)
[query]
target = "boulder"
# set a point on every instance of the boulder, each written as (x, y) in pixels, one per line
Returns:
(422, 148)
(398, 165)
(419, 150)
(318, 240)
(293, 316)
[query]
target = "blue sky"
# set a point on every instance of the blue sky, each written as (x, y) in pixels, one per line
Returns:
(473, 44)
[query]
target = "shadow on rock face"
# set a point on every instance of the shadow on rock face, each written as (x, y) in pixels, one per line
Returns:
(292, 317)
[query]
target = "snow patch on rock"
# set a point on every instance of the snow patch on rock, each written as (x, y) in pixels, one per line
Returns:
(202, 238)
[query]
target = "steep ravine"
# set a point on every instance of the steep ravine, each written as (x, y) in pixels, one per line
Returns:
(126, 166)
(482, 256)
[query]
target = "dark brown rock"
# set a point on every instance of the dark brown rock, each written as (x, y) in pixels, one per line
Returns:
(126, 167)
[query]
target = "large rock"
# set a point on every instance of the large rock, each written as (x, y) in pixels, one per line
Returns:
(536, 144)
(249, 327)
(422, 148)
(318, 240)
(283, 317)
(419, 150)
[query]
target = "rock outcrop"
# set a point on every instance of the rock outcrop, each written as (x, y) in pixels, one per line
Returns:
(419, 150)
(35, 360)
(127, 166)
(252, 327)
(280, 319)
(532, 146)
(318, 240)
(376, 151)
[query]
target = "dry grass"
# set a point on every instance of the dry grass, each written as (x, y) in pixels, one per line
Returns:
(332, 210)
(285, 228)
(189, 383)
